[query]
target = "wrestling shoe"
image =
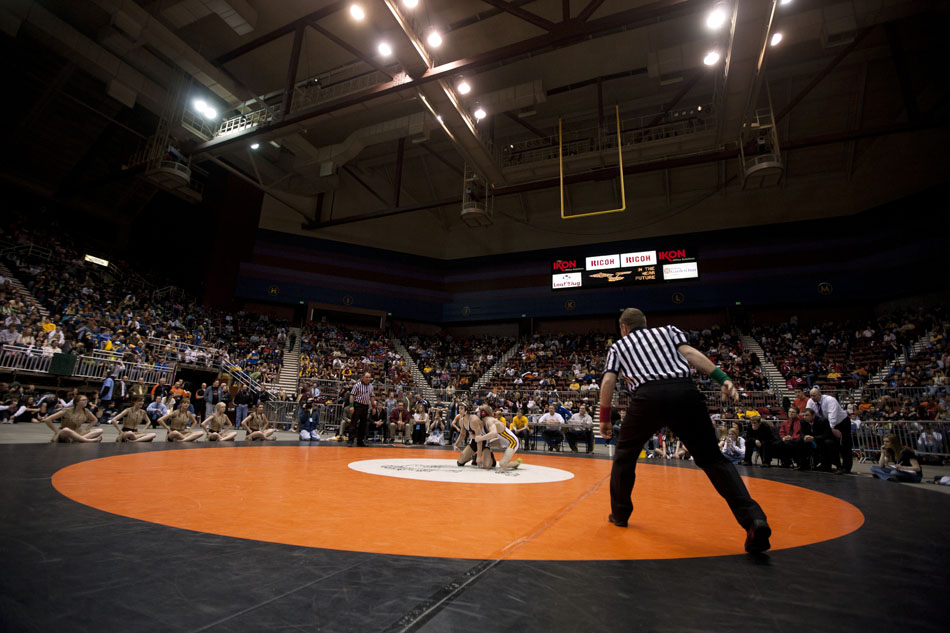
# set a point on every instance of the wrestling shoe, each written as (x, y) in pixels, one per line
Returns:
(616, 522)
(516, 464)
(757, 536)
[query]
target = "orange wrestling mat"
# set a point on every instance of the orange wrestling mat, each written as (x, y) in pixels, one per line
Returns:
(315, 497)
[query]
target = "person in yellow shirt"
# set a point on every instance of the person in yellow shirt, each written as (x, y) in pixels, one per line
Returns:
(519, 426)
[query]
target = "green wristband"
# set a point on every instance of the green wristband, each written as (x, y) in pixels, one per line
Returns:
(719, 375)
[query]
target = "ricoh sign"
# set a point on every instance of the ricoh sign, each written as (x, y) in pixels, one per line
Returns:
(624, 269)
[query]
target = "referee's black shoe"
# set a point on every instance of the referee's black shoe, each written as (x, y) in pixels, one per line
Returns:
(757, 536)
(616, 522)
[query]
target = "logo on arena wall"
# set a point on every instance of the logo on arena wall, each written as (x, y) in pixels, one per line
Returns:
(603, 262)
(273, 291)
(825, 288)
(347, 300)
(565, 265)
(569, 305)
(685, 270)
(672, 256)
(567, 280)
(643, 258)
(678, 297)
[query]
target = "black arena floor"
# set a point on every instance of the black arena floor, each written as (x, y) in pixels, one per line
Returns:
(70, 567)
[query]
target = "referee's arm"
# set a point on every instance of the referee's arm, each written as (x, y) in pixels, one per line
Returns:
(701, 363)
(606, 395)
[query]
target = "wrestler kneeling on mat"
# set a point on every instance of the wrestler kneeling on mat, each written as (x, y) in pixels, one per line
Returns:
(70, 427)
(257, 426)
(179, 424)
(131, 418)
(495, 429)
(469, 426)
(218, 426)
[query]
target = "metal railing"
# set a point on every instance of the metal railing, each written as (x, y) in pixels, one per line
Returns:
(180, 351)
(243, 122)
(929, 439)
(100, 369)
(308, 94)
(27, 359)
(634, 131)
(29, 250)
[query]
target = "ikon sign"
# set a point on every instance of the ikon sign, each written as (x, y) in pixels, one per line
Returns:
(567, 280)
(672, 256)
(643, 258)
(603, 262)
(565, 265)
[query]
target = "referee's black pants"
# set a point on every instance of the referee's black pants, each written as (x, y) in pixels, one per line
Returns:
(847, 456)
(677, 404)
(358, 423)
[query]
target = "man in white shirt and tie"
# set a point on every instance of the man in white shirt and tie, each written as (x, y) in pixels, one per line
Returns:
(829, 408)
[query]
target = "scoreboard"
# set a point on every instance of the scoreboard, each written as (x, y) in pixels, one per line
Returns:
(624, 269)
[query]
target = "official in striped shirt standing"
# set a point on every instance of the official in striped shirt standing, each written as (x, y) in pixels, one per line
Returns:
(361, 395)
(656, 363)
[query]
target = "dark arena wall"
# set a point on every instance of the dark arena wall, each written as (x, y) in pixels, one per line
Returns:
(881, 254)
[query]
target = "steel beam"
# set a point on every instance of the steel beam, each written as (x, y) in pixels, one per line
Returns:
(351, 49)
(822, 74)
(666, 163)
(397, 178)
(291, 78)
(267, 38)
(526, 125)
(363, 184)
(527, 16)
(642, 15)
(588, 11)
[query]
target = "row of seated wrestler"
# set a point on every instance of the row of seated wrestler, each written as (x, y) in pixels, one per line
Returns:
(77, 423)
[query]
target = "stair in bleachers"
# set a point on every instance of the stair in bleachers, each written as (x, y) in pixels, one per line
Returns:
(771, 372)
(287, 379)
(418, 379)
(21, 289)
(902, 358)
(500, 363)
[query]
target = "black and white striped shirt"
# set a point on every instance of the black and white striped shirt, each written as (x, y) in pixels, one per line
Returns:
(647, 354)
(362, 393)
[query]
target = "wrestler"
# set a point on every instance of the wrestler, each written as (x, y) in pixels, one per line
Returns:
(257, 426)
(495, 429)
(218, 425)
(131, 418)
(180, 423)
(470, 426)
(70, 427)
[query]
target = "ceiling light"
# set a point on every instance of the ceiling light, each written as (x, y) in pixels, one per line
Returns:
(385, 49)
(410, 4)
(356, 12)
(776, 38)
(784, 1)
(255, 145)
(717, 17)
(210, 113)
(434, 39)
(711, 58)
(275, 144)
(699, 108)
(438, 118)
(200, 105)
(464, 88)
(479, 114)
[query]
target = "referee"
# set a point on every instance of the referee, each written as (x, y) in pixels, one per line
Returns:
(361, 395)
(655, 362)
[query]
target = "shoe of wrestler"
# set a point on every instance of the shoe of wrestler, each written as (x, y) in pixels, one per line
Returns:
(757, 536)
(616, 522)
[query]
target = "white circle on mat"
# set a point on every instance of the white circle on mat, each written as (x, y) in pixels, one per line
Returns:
(448, 470)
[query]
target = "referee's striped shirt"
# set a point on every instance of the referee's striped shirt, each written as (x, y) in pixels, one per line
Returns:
(647, 354)
(362, 393)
